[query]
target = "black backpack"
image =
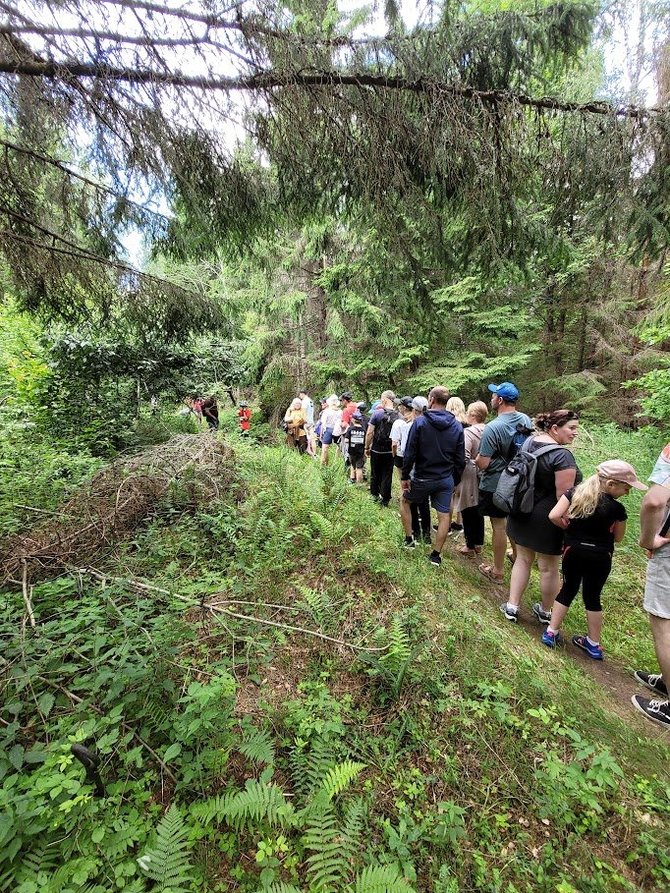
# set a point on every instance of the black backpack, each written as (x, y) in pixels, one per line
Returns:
(515, 492)
(519, 437)
(381, 439)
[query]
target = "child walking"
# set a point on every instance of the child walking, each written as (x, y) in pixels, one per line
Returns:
(593, 520)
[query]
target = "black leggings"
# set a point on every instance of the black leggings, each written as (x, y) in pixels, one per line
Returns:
(420, 518)
(473, 526)
(588, 566)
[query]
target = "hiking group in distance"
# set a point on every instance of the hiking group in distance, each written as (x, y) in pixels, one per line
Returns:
(521, 475)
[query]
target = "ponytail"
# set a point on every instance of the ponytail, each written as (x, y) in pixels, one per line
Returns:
(585, 498)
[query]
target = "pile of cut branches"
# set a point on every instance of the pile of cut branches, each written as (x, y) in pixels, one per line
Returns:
(197, 467)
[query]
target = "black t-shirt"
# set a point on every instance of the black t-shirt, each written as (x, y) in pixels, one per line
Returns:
(598, 528)
(545, 476)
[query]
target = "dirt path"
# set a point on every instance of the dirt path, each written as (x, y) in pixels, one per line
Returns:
(615, 679)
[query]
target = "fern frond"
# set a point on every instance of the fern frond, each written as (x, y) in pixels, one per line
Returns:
(167, 861)
(329, 864)
(257, 746)
(381, 879)
(340, 777)
(310, 765)
(258, 802)
(354, 821)
(209, 811)
(280, 887)
(41, 860)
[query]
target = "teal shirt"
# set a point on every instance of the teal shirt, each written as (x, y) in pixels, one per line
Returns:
(496, 441)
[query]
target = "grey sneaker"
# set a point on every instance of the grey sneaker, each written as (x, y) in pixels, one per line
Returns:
(511, 613)
(542, 615)
(656, 711)
(654, 681)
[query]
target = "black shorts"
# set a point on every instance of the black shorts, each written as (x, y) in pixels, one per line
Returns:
(486, 506)
(357, 458)
(397, 461)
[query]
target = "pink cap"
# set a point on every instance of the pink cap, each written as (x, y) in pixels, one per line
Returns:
(618, 470)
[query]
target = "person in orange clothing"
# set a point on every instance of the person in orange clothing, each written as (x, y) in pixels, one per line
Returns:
(244, 418)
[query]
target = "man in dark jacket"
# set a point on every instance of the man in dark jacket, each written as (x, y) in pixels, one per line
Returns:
(432, 466)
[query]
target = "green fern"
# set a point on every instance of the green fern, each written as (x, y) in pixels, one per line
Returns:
(354, 821)
(340, 777)
(328, 865)
(258, 802)
(309, 766)
(167, 862)
(381, 879)
(257, 746)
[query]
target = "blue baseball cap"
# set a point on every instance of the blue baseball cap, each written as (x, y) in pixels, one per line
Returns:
(506, 390)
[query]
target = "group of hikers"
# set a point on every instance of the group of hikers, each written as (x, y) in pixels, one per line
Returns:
(521, 475)
(207, 408)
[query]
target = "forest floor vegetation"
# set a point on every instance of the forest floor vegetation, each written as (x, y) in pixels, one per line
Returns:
(281, 698)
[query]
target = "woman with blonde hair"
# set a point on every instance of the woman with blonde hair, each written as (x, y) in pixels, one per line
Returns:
(593, 520)
(331, 426)
(295, 421)
(457, 408)
(473, 520)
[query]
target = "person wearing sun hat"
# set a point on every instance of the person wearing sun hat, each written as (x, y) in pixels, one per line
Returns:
(593, 520)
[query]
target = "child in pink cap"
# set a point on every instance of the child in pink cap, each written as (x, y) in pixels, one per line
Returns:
(593, 520)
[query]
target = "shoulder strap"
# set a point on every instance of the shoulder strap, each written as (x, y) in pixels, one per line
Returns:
(547, 448)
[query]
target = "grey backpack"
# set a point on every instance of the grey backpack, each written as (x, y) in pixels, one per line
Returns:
(515, 493)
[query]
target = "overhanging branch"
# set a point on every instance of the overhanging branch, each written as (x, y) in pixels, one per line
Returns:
(327, 79)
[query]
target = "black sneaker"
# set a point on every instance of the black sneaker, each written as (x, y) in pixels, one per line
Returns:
(410, 542)
(454, 529)
(656, 711)
(654, 681)
(435, 558)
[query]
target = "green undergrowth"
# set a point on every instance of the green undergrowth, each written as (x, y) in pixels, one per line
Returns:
(416, 743)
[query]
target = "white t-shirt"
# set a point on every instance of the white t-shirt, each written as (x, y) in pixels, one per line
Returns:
(399, 435)
(308, 409)
(332, 418)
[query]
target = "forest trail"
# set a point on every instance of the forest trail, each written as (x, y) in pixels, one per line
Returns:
(616, 680)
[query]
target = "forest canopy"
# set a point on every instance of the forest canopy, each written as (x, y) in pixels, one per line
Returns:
(454, 199)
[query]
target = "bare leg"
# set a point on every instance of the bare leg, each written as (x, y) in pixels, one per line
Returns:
(660, 629)
(406, 515)
(520, 575)
(443, 521)
(499, 544)
(558, 615)
(324, 454)
(550, 578)
(594, 621)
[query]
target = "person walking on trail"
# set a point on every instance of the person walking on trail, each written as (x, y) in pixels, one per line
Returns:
(294, 419)
(244, 418)
(500, 441)
(331, 426)
(432, 466)
(473, 520)
(421, 520)
(654, 538)
(400, 432)
(210, 410)
(378, 448)
(355, 438)
(593, 520)
(307, 408)
(534, 534)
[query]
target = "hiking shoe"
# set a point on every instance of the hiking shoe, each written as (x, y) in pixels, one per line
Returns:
(435, 558)
(594, 651)
(551, 640)
(410, 542)
(656, 711)
(511, 613)
(454, 529)
(654, 681)
(542, 615)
